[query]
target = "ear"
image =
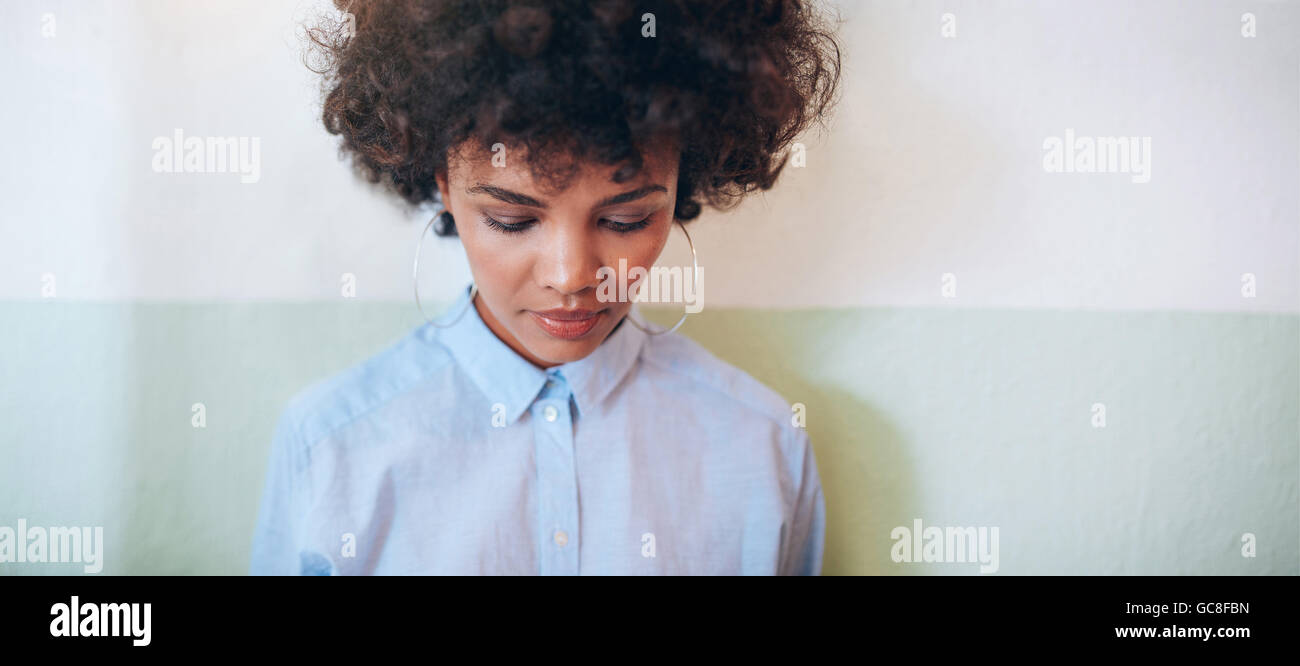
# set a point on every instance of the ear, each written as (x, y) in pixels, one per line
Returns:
(440, 177)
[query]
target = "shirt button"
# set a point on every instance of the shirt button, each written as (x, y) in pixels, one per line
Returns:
(550, 414)
(561, 538)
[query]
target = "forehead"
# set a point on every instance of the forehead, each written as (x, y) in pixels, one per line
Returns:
(508, 166)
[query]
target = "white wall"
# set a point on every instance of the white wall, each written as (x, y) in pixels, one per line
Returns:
(935, 166)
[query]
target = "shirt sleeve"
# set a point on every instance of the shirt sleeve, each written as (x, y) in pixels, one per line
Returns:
(802, 555)
(275, 539)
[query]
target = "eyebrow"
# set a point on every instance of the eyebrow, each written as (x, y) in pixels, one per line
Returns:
(525, 200)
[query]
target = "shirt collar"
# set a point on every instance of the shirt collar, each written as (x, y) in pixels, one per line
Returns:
(506, 377)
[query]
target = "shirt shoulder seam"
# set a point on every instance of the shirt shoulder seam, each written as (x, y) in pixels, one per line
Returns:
(307, 404)
(699, 350)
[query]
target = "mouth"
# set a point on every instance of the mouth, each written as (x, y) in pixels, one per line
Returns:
(567, 324)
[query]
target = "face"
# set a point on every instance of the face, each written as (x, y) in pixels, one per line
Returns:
(536, 253)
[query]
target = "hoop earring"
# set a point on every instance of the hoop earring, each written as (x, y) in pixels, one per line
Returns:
(695, 276)
(446, 220)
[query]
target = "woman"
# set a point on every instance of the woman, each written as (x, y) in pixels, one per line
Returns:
(538, 427)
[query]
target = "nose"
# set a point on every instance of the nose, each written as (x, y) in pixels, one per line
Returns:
(570, 259)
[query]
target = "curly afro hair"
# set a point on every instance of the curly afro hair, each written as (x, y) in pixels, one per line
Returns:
(732, 82)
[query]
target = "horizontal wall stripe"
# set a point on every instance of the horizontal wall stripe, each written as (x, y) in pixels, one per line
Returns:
(958, 418)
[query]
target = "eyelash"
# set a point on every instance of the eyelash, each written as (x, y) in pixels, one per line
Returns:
(618, 227)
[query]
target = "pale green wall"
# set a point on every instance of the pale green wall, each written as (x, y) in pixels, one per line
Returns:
(957, 417)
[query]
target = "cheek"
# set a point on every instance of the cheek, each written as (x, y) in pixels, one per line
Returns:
(642, 249)
(498, 266)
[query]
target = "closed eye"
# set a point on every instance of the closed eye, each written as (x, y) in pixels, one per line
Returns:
(517, 227)
(508, 228)
(627, 227)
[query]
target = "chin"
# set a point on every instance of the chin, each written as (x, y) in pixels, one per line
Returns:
(559, 351)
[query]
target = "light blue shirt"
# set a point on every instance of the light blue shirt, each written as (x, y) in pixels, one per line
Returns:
(448, 453)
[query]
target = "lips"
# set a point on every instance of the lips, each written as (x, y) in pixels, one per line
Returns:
(567, 324)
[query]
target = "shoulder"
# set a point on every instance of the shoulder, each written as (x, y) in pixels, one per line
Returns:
(704, 375)
(702, 381)
(335, 401)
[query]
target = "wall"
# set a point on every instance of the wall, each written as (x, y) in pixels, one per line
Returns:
(974, 408)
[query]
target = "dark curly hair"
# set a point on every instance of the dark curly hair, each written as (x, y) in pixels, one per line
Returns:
(733, 83)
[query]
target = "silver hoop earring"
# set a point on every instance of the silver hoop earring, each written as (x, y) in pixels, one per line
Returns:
(695, 276)
(473, 291)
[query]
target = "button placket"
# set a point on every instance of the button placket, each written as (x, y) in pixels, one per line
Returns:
(557, 479)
